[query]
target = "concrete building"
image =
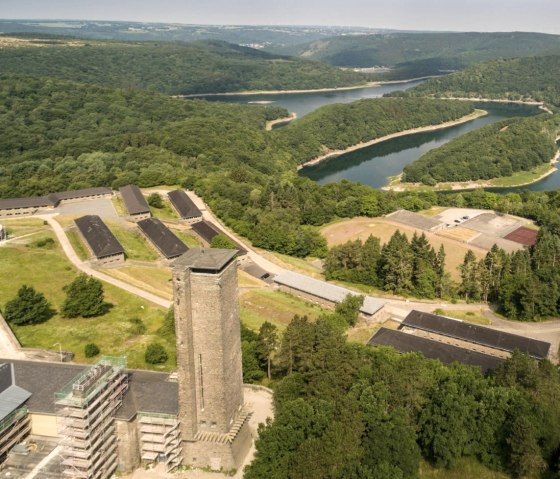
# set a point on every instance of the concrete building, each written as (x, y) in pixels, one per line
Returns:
(328, 294)
(135, 203)
(214, 420)
(184, 206)
(100, 241)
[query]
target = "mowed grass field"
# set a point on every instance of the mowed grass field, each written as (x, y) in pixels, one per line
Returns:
(48, 271)
(383, 229)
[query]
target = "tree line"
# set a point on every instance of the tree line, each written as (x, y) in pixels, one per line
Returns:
(351, 411)
(492, 151)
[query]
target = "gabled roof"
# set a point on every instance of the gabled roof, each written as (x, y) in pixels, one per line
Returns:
(183, 204)
(476, 334)
(34, 202)
(83, 193)
(148, 391)
(446, 353)
(207, 231)
(328, 291)
(100, 239)
(162, 238)
(134, 200)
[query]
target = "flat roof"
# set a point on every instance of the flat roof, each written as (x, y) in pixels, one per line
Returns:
(523, 235)
(476, 334)
(183, 204)
(134, 200)
(322, 289)
(162, 237)
(205, 259)
(100, 239)
(147, 391)
(446, 353)
(415, 220)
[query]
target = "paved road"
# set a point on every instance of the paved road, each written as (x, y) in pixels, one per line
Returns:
(84, 267)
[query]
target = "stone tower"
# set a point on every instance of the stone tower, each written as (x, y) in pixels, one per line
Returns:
(213, 419)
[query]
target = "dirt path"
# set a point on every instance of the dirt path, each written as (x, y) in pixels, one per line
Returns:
(84, 267)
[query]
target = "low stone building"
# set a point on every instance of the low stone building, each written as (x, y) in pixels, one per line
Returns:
(162, 238)
(135, 203)
(185, 207)
(328, 294)
(100, 241)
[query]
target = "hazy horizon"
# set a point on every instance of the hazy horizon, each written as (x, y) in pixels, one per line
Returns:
(429, 15)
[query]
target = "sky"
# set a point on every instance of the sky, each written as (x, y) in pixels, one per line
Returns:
(454, 15)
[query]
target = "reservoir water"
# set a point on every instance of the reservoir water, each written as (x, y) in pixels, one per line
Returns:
(373, 165)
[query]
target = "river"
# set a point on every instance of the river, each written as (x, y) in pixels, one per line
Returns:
(374, 164)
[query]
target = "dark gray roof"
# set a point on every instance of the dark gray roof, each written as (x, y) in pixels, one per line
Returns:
(446, 353)
(134, 200)
(183, 204)
(162, 238)
(12, 396)
(148, 391)
(328, 291)
(205, 259)
(208, 231)
(34, 202)
(83, 193)
(476, 334)
(99, 237)
(52, 199)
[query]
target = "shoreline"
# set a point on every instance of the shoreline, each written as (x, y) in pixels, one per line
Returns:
(470, 185)
(287, 119)
(540, 104)
(310, 90)
(471, 116)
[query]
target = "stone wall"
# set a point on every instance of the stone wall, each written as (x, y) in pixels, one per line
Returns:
(128, 445)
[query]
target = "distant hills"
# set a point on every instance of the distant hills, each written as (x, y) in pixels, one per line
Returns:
(208, 66)
(528, 78)
(419, 54)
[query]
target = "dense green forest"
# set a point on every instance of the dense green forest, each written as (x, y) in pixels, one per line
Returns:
(173, 68)
(338, 126)
(417, 54)
(527, 78)
(350, 411)
(495, 150)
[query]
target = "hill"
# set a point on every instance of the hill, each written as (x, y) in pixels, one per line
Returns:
(527, 78)
(419, 54)
(171, 68)
(496, 150)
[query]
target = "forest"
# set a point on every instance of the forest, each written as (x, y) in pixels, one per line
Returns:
(492, 151)
(209, 66)
(526, 78)
(349, 411)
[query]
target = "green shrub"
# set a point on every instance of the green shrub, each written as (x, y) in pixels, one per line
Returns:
(137, 326)
(91, 350)
(28, 307)
(155, 354)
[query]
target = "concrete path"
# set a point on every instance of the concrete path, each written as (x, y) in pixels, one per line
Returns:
(84, 267)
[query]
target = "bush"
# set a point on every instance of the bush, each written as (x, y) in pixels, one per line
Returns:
(155, 354)
(44, 243)
(28, 307)
(91, 350)
(222, 241)
(137, 326)
(155, 201)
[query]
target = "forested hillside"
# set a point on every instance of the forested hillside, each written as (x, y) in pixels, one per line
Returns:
(349, 411)
(493, 151)
(338, 126)
(418, 54)
(528, 78)
(172, 68)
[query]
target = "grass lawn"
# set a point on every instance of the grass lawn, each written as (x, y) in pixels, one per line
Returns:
(469, 316)
(245, 280)
(48, 271)
(189, 239)
(167, 213)
(276, 307)
(134, 244)
(77, 244)
(290, 262)
(118, 203)
(522, 177)
(465, 468)
(361, 333)
(153, 280)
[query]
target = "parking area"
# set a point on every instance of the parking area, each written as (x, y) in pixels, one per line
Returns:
(102, 207)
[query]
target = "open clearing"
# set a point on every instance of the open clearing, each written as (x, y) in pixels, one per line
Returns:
(48, 271)
(383, 229)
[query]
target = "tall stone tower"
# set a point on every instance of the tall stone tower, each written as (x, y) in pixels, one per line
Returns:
(213, 419)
